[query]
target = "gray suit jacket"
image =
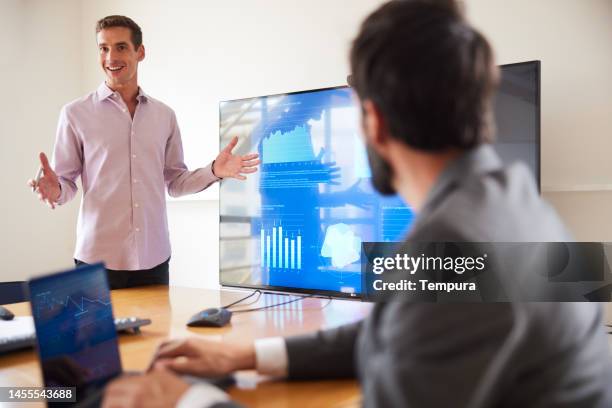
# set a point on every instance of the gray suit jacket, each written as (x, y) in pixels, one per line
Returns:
(471, 355)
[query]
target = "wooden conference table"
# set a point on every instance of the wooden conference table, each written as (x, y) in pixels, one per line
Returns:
(170, 308)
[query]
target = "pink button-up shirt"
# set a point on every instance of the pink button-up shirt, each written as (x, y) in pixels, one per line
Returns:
(125, 165)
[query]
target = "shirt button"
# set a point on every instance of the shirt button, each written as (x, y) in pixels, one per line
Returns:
(137, 229)
(135, 181)
(133, 156)
(136, 205)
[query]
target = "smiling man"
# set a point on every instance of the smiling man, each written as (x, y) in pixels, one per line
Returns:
(126, 147)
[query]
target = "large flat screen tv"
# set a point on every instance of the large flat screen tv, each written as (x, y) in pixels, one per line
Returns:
(298, 223)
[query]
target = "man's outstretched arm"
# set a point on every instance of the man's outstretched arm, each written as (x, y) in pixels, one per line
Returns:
(181, 181)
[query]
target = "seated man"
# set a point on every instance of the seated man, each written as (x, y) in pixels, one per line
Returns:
(425, 80)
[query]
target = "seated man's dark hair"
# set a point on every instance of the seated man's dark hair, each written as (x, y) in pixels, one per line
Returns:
(429, 72)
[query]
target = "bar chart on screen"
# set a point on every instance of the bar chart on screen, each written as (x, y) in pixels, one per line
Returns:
(280, 249)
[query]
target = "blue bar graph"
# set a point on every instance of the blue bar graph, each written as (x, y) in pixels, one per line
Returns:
(293, 254)
(268, 250)
(276, 255)
(299, 252)
(280, 246)
(274, 247)
(286, 253)
(263, 248)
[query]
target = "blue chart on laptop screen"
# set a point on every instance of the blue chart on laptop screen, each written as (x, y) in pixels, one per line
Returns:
(75, 329)
(300, 220)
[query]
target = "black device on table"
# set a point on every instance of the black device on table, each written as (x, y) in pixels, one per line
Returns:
(212, 317)
(6, 314)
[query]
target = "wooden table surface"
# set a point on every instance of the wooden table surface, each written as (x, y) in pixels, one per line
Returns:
(170, 308)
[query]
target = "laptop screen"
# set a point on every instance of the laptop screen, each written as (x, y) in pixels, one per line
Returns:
(75, 329)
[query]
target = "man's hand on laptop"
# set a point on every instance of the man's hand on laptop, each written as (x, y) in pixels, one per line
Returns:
(157, 388)
(203, 358)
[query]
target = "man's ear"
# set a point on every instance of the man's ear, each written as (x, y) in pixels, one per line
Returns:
(141, 52)
(375, 129)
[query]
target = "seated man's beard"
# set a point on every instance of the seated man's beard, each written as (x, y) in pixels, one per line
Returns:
(381, 173)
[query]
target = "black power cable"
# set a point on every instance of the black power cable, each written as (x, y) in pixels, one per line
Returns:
(255, 309)
(243, 299)
(259, 292)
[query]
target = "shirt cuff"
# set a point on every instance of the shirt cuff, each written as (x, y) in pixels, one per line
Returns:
(271, 356)
(202, 396)
(209, 169)
(62, 199)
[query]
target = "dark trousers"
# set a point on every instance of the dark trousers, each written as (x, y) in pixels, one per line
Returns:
(158, 275)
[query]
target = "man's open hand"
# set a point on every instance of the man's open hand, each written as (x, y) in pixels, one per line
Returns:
(229, 165)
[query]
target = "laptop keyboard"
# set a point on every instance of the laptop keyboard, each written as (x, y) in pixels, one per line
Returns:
(17, 342)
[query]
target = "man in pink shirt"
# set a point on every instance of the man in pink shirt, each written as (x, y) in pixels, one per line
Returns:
(126, 147)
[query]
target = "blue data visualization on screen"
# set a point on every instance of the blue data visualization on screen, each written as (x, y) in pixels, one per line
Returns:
(298, 223)
(75, 329)
(300, 220)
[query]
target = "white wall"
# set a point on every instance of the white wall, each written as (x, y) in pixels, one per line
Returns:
(573, 39)
(200, 52)
(40, 71)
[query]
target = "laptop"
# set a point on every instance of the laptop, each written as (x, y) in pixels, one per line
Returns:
(76, 336)
(75, 331)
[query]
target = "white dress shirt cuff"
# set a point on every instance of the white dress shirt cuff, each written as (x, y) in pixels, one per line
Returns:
(202, 396)
(271, 356)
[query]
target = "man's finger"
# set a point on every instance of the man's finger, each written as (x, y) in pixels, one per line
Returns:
(168, 347)
(248, 170)
(250, 163)
(250, 156)
(230, 146)
(162, 347)
(239, 177)
(44, 162)
(174, 349)
(163, 363)
(183, 365)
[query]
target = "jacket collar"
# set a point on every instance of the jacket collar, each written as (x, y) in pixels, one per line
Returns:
(479, 160)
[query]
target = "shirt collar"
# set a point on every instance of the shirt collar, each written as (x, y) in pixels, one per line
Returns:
(104, 92)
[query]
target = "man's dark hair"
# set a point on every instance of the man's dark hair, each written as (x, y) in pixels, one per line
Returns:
(121, 21)
(429, 73)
